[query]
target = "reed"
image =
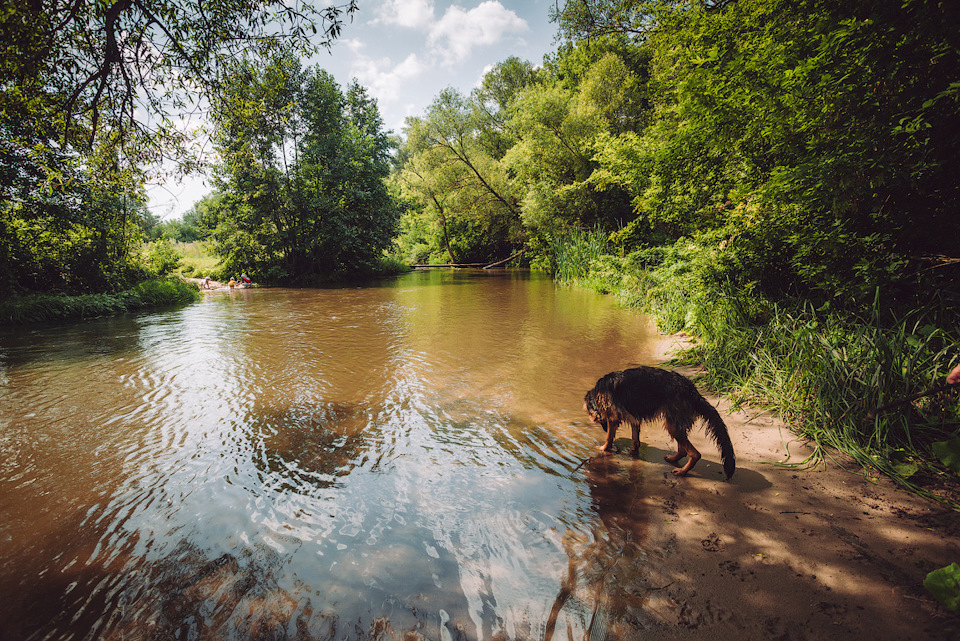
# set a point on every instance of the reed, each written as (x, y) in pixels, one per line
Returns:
(576, 257)
(827, 376)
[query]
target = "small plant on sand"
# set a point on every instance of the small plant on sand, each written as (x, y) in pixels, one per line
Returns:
(944, 585)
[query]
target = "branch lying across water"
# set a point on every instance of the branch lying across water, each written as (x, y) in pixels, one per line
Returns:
(468, 265)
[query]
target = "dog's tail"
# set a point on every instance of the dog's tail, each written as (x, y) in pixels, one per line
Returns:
(718, 431)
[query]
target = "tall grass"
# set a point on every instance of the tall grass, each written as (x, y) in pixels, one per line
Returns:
(34, 308)
(576, 257)
(826, 374)
(198, 260)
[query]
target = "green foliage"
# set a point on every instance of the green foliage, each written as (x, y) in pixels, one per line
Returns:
(788, 126)
(91, 95)
(557, 125)
(196, 224)
(514, 162)
(451, 173)
(552, 161)
(199, 260)
(493, 102)
(90, 248)
(120, 68)
(949, 453)
(161, 257)
(301, 195)
(944, 585)
(34, 308)
(585, 19)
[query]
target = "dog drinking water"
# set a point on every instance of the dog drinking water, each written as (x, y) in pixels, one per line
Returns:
(644, 393)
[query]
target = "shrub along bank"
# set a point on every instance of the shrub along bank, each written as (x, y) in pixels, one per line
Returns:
(35, 308)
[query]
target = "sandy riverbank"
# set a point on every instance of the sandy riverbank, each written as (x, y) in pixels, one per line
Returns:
(776, 553)
(213, 285)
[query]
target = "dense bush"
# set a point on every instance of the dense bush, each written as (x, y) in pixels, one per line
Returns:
(161, 257)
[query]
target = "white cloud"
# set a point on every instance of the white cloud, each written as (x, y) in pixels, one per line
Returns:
(456, 34)
(385, 79)
(415, 14)
(354, 45)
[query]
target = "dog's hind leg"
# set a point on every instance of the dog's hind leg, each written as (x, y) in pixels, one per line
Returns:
(635, 433)
(692, 457)
(684, 448)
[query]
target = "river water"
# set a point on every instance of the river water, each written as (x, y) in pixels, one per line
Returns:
(397, 461)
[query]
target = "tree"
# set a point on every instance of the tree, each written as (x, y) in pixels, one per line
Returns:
(557, 125)
(494, 98)
(580, 20)
(302, 176)
(114, 65)
(584, 19)
(817, 136)
(431, 180)
(451, 171)
(90, 95)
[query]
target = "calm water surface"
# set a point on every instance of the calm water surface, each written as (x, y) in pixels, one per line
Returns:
(397, 461)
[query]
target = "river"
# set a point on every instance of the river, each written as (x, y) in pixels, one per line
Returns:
(394, 461)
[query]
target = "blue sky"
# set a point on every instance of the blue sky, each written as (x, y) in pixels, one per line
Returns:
(405, 52)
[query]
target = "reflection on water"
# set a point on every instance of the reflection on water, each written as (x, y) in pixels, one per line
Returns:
(396, 461)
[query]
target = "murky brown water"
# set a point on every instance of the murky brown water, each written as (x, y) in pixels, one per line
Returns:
(396, 461)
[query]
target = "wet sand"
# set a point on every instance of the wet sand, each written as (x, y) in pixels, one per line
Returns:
(776, 553)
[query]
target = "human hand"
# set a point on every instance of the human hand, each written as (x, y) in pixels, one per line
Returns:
(954, 376)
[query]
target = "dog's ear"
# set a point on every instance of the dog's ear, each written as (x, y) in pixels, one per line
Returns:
(601, 403)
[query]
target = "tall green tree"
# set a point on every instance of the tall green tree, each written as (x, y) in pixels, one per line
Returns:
(302, 176)
(557, 125)
(454, 172)
(494, 99)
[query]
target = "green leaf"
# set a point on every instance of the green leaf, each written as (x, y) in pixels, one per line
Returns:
(944, 585)
(949, 453)
(906, 469)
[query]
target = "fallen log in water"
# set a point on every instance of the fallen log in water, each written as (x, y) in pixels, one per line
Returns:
(469, 265)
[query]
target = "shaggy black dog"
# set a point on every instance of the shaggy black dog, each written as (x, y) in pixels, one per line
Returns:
(644, 393)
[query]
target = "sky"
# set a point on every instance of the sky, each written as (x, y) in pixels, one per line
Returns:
(405, 52)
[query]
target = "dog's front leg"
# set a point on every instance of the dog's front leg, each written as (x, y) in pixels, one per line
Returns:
(611, 429)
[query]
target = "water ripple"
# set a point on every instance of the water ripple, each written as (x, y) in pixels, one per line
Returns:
(340, 463)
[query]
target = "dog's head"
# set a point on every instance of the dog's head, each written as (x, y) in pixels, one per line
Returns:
(592, 406)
